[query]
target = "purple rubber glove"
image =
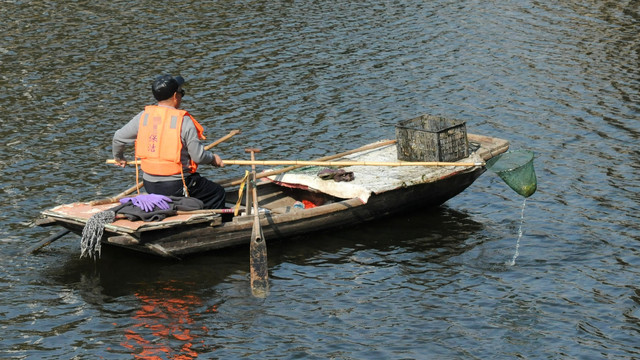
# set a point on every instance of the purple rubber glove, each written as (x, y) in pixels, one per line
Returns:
(126, 200)
(147, 202)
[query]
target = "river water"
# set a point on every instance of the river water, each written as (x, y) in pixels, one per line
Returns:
(304, 79)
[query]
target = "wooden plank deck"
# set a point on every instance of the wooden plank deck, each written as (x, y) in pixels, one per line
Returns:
(79, 213)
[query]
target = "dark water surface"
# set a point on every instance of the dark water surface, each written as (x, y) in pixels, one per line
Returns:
(305, 79)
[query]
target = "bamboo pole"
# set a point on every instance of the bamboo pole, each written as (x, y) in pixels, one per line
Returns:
(223, 139)
(208, 147)
(349, 163)
(237, 181)
(326, 161)
(300, 163)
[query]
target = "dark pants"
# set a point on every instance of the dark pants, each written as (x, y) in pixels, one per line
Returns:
(211, 194)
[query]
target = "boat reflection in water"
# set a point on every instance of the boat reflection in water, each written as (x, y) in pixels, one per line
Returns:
(164, 326)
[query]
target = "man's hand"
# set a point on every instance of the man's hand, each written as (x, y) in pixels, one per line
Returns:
(121, 162)
(217, 161)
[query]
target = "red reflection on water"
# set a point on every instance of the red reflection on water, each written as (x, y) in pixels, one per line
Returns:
(164, 327)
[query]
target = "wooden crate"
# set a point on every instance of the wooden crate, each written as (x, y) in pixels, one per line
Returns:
(432, 138)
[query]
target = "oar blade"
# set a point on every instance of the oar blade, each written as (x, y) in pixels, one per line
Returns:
(258, 261)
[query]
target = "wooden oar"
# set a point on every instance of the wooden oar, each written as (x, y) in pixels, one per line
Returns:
(223, 139)
(47, 241)
(140, 184)
(237, 181)
(258, 247)
(350, 163)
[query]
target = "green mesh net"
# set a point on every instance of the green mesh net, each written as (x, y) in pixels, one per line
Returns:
(515, 168)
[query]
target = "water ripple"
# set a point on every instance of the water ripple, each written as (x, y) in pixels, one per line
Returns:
(303, 79)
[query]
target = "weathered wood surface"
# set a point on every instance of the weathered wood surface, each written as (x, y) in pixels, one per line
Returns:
(79, 213)
(489, 146)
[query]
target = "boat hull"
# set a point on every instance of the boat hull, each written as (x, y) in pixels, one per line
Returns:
(189, 239)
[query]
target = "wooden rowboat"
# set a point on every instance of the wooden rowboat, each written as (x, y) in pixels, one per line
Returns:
(375, 192)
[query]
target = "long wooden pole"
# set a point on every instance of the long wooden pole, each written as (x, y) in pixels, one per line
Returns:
(140, 184)
(237, 181)
(325, 162)
(349, 163)
(299, 163)
(223, 139)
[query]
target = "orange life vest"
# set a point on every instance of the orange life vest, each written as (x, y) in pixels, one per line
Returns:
(159, 143)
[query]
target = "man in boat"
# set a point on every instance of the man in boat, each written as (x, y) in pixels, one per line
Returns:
(167, 141)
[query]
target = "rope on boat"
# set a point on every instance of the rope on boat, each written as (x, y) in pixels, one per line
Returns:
(92, 233)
